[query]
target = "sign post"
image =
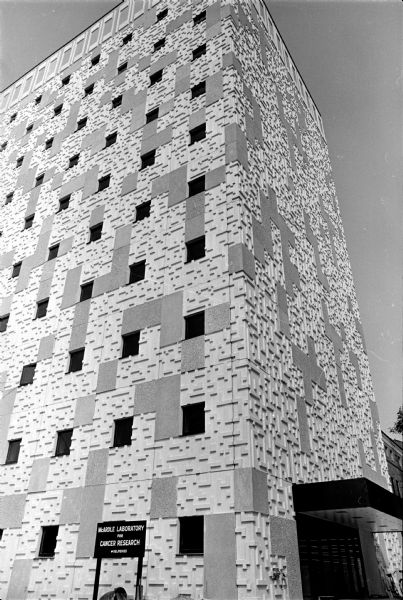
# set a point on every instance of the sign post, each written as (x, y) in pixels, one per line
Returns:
(120, 539)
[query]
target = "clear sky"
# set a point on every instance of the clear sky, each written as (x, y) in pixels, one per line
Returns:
(350, 55)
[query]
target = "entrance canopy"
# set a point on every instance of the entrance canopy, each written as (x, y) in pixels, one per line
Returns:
(352, 502)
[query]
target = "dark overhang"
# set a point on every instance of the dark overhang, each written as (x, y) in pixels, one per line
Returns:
(352, 502)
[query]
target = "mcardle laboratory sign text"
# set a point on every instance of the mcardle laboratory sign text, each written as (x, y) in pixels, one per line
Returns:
(120, 539)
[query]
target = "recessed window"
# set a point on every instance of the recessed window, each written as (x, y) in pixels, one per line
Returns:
(122, 68)
(95, 60)
(63, 442)
(9, 198)
(197, 186)
(95, 232)
(41, 308)
(3, 146)
(156, 77)
(123, 432)
(19, 161)
(193, 419)
(162, 14)
(66, 80)
(191, 535)
(48, 541)
(64, 202)
(40, 179)
(194, 325)
(58, 110)
(199, 89)
(148, 159)
(29, 128)
(13, 117)
(143, 211)
(195, 249)
(76, 360)
(128, 38)
(16, 269)
(199, 51)
(73, 161)
(49, 143)
(38, 99)
(117, 101)
(13, 451)
(131, 344)
(199, 18)
(197, 133)
(103, 182)
(86, 291)
(152, 115)
(111, 139)
(89, 89)
(28, 221)
(82, 123)
(4, 322)
(53, 251)
(28, 373)
(160, 44)
(137, 271)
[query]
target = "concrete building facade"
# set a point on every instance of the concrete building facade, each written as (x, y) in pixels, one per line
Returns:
(180, 335)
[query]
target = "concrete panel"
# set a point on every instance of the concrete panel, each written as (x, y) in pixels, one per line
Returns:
(84, 412)
(97, 465)
(19, 580)
(7, 403)
(77, 339)
(220, 557)
(107, 373)
(90, 515)
(240, 258)
(139, 317)
(71, 506)
(193, 354)
(46, 347)
(178, 186)
(303, 427)
(71, 292)
(39, 475)
(4, 424)
(66, 245)
(236, 147)
(171, 319)
(161, 396)
(218, 317)
(97, 215)
(197, 118)
(164, 498)
(160, 185)
(195, 206)
(250, 490)
(194, 228)
(376, 588)
(7, 259)
(215, 177)
(119, 269)
(123, 236)
(71, 186)
(90, 182)
(284, 542)
(12, 511)
(129, 183)
(214, 88)
(182, 79)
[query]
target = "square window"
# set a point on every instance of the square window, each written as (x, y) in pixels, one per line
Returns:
(13, 451)
(123, 432)
(66, 80)
(162, 14)
(194, 325)
(28, 373)
(13, 117)
(137, 271)
(128, 38)
(19, 161)
(95, 232)
(131, 344)
(122, 68)
(63, 442)
(197, 186)
(199, 18)
(143, 211)
(48, 541)
(41, 308)
(16, 269)
(29, 222)
(4, 322)
(64, 202)
(29, 128)
(199, 89)
(152, 115)
(86, 291)
(148, 159)
(156, 77)
(9, 198)
(191, 535)
(95, 60)
(81, 123)
(193, 419)
(49, 143)
(53, 251)
(196, 249)
(111, 139)
(117, 101)
(57, 111)
(89, 89)
(198, 52)
(76, 360)
(197, 133)
(40, 179)
(73, 161)
(38, 99)
(103, 182)
(158, 45)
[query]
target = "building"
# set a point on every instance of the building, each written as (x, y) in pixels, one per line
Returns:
(394, 460)
(180, 334)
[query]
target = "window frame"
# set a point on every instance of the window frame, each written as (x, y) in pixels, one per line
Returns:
(104, 182)
(117, 101)
(89, 89)
(77, 352)
(148, 159)
(94, 229)
(95, 60)
(81, 123)
(156, 77)
(162, 14)
(194, 321)
(184, 548)
(139, 211)
(11, 459)
(39, 180)
(54, 529)
(40, 305)
(16, 269)
(111, 139)
(197, 134)
(86, 290)
(193, 184)
(122, 67)
(191, 244)
(49, 143)
(199, 18)
(199, 52)
(52, 249)
(64, 199)
(57, 111)
(189, 416)
(116, 443)
(29, 221)
(195, 93)
(129, 340)
(152, 115)
(159, 44)
(133, 277)
(73, 161)
(28, 369)
(4, 319)
(63, 442)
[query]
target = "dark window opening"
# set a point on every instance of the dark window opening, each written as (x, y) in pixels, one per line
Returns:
(137, 271)
(148, 159)
(38, 99)
(48, 541)
(29, 128)
(199, 18)
(131, 344)
(86, 291)
(9, 197)
(3, 146)
(73, 161)
(76, 360)
(95, 232)
(122, 68)
(103, 182)
(198, 52)
(162, 14)
(158, 45)
(57, 111)
(29, 222)
(40, 179)
(191, 535)
(89, 89)
(128, 38)
(16, 269)
(117, 101)
(197, 133)
(196, 249)
(95, 60)
(53, 251)
(111, 139)
(66, 80)
(19, 161)
(82, 123)
(193, 419)
(4, 322)
(152, 115)
(123, 432)
(143, 211)
(194, 325)
(197, 186)
(13, 117)
(63, 443)
(156, 77)
(28, 373)
(49, 143)
(13, 451)
(199, 89)
(41, 308)
(64, 202)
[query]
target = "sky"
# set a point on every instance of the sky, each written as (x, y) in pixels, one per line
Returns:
(349, 53)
